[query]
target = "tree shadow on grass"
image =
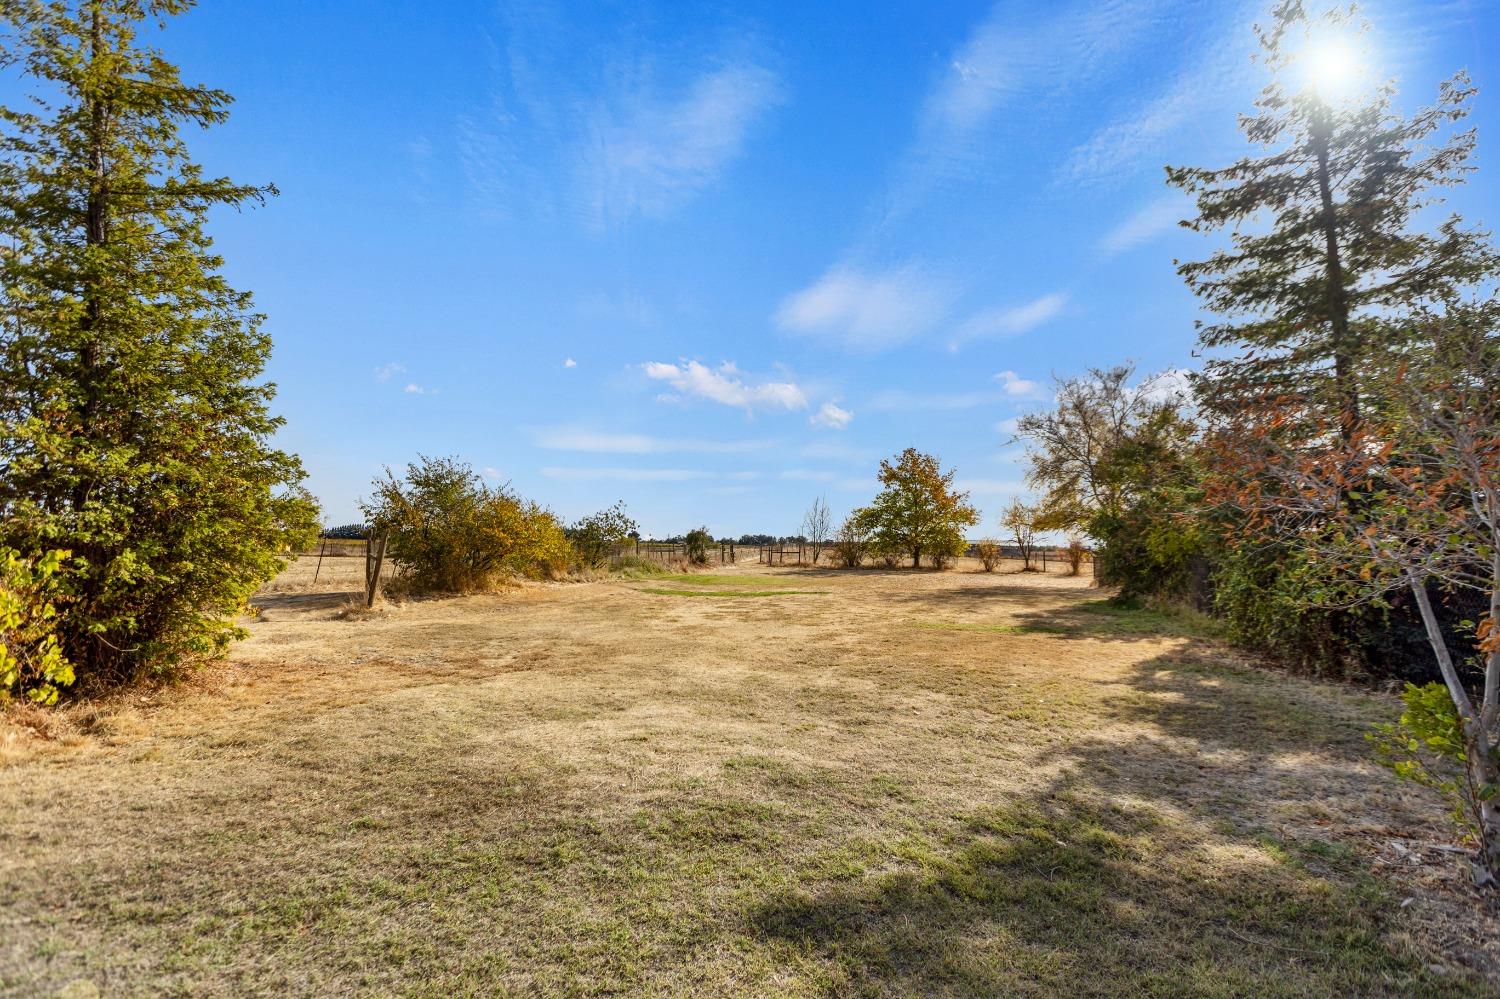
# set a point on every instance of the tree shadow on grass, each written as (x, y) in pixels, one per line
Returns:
(1160, 864)
(322, 600)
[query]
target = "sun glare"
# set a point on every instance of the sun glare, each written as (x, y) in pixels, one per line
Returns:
(1333, 68)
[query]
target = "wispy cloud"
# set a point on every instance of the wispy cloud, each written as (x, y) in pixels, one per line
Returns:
(412, 388)
(627, 474)
(570, 363)
(593, 442)
(1010, 320)
(832, 416)
(902, 401)
(726, 385)
(386, 372)
(807, 475)
(652, 152)
(1146, 132)
(591, 124)
(837, 451)
(1013, 55)
(991, 487)
(869, 310)
(1148, 222)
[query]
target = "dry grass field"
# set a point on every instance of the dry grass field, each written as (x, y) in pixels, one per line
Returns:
(759, 782)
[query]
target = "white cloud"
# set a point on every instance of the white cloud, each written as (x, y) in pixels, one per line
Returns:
(607, 443)
(627, 474)
(386, 372)
(1008, 426)
(570, 363)
(1019, 388)
(648, 154)
(1145, 224)
(867, 310)
(830, 415)
(414, 389)
(807, 475)
(725, 385)
(1011, 320)
(492, 473)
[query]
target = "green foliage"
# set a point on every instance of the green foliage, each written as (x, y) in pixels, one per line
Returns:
(595, 536)
(346, 532)
(31, 659)
(133, 429)
(918, 510)
(450, 533)
(1122, 464)
(698, 541)
(1426, 746)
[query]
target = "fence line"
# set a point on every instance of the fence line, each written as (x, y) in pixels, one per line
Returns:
(720, 553)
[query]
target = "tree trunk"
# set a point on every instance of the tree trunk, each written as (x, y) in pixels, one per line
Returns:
(916, 557)
(1482, 772)
(1338, 303)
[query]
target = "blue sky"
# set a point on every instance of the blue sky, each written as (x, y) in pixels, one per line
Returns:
(716, 259)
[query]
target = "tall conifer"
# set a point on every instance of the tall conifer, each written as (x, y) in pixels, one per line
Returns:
(134, 430)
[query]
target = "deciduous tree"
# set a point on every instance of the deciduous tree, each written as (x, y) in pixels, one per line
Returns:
(1021, 520)
(919, 510)
(817, 525)
(1407, 503)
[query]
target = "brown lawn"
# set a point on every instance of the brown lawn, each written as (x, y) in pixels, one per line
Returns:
(758, 782)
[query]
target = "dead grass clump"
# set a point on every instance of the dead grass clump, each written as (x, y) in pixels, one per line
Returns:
(354, 609)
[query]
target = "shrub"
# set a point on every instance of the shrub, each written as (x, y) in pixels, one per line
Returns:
(594, 537)
(990, 555)
(697, 542)
(31, 660)
(1076, 554)
(1426, 746)
(449, 532)
(852, 541)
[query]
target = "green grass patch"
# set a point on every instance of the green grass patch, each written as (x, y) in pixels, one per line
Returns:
(1148, 620)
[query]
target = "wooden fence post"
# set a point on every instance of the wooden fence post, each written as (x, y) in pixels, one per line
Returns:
(374, 557)
(321, 549)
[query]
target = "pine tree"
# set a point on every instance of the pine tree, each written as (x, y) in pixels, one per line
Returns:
(133, 430)
(1324, 296)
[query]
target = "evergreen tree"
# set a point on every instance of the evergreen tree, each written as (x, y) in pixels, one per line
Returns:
(1323, 296)
(133, 430)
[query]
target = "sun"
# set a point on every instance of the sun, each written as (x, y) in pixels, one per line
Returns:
(1333, 68)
